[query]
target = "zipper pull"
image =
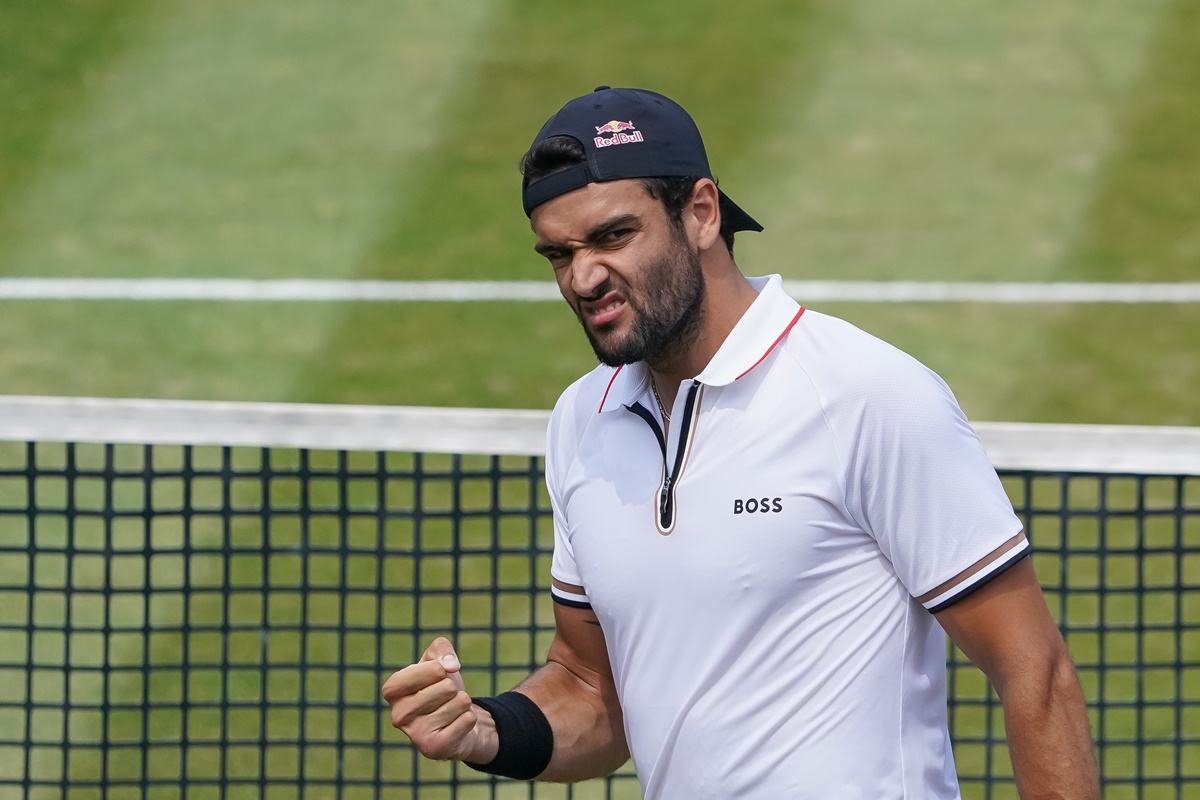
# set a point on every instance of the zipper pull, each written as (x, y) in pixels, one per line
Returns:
(664, 498)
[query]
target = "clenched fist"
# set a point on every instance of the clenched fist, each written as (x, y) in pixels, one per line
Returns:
(431, 706)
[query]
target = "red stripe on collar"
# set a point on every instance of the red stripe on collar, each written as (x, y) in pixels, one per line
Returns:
(790, 325)
(608, 388)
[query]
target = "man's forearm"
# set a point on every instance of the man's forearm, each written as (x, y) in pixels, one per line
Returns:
(1049, 738)
(589, 738)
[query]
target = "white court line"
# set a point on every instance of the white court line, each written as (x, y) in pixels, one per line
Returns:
(464, 291)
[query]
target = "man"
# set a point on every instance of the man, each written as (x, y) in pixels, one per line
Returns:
(764, 519)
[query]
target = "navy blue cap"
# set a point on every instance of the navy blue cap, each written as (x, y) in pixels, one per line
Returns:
(626, 133)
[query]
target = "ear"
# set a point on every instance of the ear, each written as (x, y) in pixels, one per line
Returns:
(702, 215)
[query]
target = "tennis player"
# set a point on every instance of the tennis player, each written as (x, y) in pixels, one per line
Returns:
(764, 521)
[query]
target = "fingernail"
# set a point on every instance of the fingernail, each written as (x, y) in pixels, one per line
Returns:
(450, 661)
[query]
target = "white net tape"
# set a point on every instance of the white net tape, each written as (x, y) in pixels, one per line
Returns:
(1032, 446)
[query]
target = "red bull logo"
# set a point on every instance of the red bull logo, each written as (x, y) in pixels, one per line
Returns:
(617, 128)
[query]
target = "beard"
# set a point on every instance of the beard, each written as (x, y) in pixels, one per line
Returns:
(666, 313)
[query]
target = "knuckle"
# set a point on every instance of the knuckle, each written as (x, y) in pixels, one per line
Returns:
(426, 750)
(395, 692)
(401, 718)
(420, 744)
(433, 747)
(405, 716)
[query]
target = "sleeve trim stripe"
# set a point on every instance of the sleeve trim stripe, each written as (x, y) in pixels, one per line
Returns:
(567, 594)
(569, 603)
(956, 593)
(569, 598)
(968, 575)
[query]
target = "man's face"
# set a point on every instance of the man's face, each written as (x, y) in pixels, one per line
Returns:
(633, 278)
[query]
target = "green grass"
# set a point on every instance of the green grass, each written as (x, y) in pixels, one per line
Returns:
(249, 140)
(53, 56)
(993, 141)
(1117, 364)
(960, 144)
(1114, 364)
(1141, 220)
(395, 354)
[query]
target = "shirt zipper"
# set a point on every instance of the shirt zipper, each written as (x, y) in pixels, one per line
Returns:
(665, 513)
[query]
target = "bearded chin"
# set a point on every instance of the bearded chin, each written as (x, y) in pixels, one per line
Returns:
(666, 316)
(617, 354)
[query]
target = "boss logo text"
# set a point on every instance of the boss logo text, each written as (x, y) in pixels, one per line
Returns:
(758, 505)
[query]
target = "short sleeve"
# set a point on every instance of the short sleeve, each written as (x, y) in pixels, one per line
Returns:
(919, 481)
(567, 585)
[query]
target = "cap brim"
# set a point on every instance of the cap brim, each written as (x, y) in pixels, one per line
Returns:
(579, 175)
(739, 220)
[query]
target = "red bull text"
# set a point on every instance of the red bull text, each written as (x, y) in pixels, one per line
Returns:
(617, 128)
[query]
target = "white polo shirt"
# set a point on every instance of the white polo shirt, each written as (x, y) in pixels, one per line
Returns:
(755, 573)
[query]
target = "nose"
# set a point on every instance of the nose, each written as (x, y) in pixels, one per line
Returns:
(588, 273)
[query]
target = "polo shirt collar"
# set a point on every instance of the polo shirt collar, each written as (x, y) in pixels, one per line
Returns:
(627, 385)
(764, 325)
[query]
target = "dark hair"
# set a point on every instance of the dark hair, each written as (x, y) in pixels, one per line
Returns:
(559, 152)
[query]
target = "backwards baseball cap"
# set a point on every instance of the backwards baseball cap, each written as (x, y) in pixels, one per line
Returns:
(626, 133)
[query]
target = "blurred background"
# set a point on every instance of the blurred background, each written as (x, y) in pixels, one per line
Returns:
(987, 140)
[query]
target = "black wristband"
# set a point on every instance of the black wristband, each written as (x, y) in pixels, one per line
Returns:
(526, 741)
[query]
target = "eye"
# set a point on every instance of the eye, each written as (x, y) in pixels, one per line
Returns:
(617, 235)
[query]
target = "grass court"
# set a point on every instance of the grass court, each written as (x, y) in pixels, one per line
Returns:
(990, 141)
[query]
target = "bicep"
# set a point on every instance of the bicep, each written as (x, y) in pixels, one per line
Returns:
(1004, 626)
(579, 644)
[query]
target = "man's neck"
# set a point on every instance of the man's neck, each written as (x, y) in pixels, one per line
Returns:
(726, 302)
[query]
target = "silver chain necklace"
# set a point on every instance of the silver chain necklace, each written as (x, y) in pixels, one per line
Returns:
(661, 408)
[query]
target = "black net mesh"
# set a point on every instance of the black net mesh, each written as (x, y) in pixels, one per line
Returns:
(196, 622)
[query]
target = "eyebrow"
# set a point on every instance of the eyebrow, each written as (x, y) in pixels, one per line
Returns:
(550, 248)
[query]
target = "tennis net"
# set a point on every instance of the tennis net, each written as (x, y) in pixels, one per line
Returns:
(201, 600)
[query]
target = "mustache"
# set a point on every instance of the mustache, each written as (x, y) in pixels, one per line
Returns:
(601, 290)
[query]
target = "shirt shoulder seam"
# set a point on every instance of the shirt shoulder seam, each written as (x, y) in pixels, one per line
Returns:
(837, 446)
